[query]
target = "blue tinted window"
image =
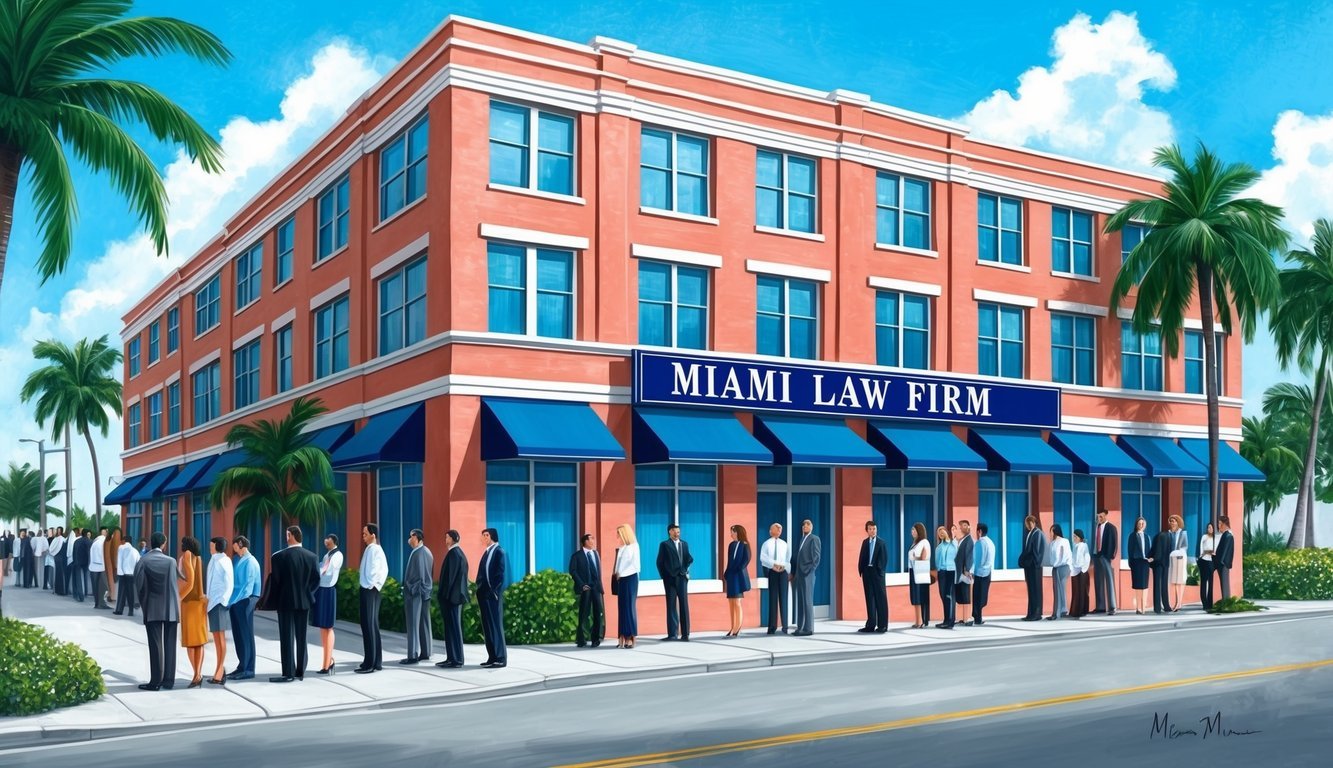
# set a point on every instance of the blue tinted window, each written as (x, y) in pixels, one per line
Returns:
(1140, 359)
(1000, 334)
(787, 317)
(682, 494)
(902, 211)
(331, 337)
(1073, 349)
(332, 215)
(902, 329)
(673, 172)
(403, 168)
(403, 307)
(999, 229)
(785, 191)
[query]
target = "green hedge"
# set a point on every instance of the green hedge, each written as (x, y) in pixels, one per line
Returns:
(539, 609)
(40, 673)
(1291, 574)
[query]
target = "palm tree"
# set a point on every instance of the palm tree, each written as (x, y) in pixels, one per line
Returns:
(21, 494)
(1203, 241)
(51, 98)
(79, 518)
(1303, 329)
(76, 389)
(1264, 444)
(1294, 410)
(286, 479)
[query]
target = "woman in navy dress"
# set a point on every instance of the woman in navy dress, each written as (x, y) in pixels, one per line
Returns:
(736, 577)
(1140, 546)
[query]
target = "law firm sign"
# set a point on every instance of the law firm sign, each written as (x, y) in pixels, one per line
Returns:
(716, 382)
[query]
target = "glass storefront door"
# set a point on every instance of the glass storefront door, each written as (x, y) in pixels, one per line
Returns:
(787, 496)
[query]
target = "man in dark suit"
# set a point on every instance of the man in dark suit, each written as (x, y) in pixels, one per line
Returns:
(490, 598)
(1105, 539)
(295, 578)
(155, 584)
(29, 562)
(808, 555)
(585, 566)
(874, 559)
(1160, 560)
(452, 595)
(1224, 554)
(962, 564)
(79, 575)
(1030, 559)
(673, 563)
(417, 574)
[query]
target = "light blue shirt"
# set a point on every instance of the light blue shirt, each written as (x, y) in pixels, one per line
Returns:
(944, 555)
(246, 579)
(984, 559)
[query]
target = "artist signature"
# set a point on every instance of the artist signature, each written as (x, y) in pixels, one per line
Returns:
(1209, 726)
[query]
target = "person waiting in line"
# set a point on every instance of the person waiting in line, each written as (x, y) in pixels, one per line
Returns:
(918, 576)
(585, 568)
(221, 582)
(1079, 577)
(1030, 559)
(775, 560)
(325, 612)
(946, 551)
(126, 558)
(673, 565)
(1061, 560)
(736, 576)
(1207, 545)
(962, 590)
(194, 607)
(1159, 558)
(1180, 543)
(625, 584)
(1140, 548)
(870, 566)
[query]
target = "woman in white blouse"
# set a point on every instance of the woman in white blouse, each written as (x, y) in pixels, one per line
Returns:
(625, 583)
(1078, 580)
(1207, 543)
(220, 581)
(919, 576)
(325, 610)
(1061, 559)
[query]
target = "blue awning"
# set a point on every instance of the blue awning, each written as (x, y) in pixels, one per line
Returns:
(1161, 456)
(906, 445)
(1230, 465)
(803, 441)
(152, 487)
(1017, 450)
(553, 430)
(224, 462)
(681, 435)
(397, 436)
(330, 438)
(121, 493)
(184, 480)
(1095, 454)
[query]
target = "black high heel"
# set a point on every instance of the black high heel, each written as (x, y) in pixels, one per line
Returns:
(195, 683)
(325, 671)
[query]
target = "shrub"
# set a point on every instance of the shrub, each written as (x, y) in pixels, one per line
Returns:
(1192, 575)
(1264, 541)
(1290, 574)
(40, 673)
(1236, 605)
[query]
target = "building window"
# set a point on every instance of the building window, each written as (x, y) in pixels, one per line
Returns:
(1073, 349)
(1130, 237)
(902, 330)
(206, 301)
(1000, 340)
(173, 407)
(787, 318)
(673, 305)
(207, 403)
(282, 347)
(999, 229)
(332, 210)
(514, 163)
(400, 510)
(901, 499)
(534, 507)
(403, 169)
(1140, 497)
(132, 356)
(173, 329)
(249, 275)
(245, 370)
(684, 494)
(515, 306)
(154, 341)
(134, 423)
(1195, 510)
(201, 524)
(1003, 501)
(1071, 241)
(1075, 504)
(331, 337)
(1140, 359)
(673, 172)
(902, 211)
(403, 307)
(784, 191)
(286, 246)
(1194, 361)
(154, 416)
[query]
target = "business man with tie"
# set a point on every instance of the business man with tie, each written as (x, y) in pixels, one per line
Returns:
(374, 572)
(1105, 539)
(775, 560)
(155, 583)
(871, 565)
(673, 564)
(452, 596)
(1030, 559)
(1226, 552)
(417, 574)
(491, 574)
(585, 566)
(295, 578)
(803, 580)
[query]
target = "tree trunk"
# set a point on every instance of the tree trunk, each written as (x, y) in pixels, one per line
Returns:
(1305, 492)
(11, 160)
(1205, 275)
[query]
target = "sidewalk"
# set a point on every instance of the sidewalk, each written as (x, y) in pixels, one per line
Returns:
(119, 645)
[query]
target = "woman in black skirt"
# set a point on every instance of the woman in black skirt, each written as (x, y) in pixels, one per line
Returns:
(326, 599)
(1140, 546)
(918, 558)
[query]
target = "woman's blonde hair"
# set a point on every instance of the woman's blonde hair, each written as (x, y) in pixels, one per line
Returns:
(941, 534)
(626, 534)
(1179, 523)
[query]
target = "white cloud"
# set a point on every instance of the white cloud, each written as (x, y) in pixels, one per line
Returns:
(1299, 182)
(1089, 102)
(200, 204)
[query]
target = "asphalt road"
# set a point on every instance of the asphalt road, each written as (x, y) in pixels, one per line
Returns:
(1068, 703)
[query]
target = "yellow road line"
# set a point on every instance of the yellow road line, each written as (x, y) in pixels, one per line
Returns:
(910, 722)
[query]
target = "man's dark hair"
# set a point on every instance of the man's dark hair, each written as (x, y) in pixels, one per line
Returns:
(241, 542)
(453, 535)
(219, 544)
(870, 523)
(421, 537)
(983, 529)
(1224, 520)
(295, 531)
(494, 534)
(964, 522)
(157, 540)
(584, 538)
(672, 527)
(334, 537)
(372, 529)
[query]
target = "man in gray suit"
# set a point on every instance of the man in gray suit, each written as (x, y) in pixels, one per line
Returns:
(155, 583)
(416, 597)
(803, 580)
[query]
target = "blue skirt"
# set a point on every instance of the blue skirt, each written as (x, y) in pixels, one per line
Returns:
(627, 595)
(325, 609)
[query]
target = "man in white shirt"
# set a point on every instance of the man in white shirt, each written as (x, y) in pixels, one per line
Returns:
(374, 570)
(40, 546)
(97, 567)
(775, 560)
(126, 558)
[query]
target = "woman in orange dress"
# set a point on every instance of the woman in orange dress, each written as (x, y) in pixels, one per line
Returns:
(194, 613)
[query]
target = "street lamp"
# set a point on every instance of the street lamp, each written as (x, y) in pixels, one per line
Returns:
(42, 450)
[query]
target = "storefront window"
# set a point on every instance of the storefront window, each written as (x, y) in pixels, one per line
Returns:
(533, 505)
(1003, 502)
(684, 494)
(900, 500)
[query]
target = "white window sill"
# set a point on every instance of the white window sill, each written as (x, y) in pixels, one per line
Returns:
(1002, 265)
(282, 285)
(655, 588)
(816, 237)
(907, 251)
(247, 306)
(537, 193)
(205, 333)
(1075, 276)
(321, 262)
(396, 214)
(677, 215)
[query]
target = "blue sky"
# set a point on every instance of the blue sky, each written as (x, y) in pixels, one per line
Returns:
(1223, 72)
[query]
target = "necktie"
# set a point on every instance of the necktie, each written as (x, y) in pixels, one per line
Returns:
(592, 565)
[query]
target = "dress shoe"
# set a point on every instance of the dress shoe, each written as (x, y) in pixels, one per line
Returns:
(881, 630)
(216, 681)
(281, 679)
(364, 670)
(866, 629)
(772, 631)
(500, 665)
(1101, 610)
(195, 683)
(149, 687)
(668, 638)
(684, 638)
(1050, 618)
(117, 613)
(580, 645)
(595, 643)
(976, 623)
(1110, 613)
(941, 625)
(488, 664)
(408, 662)
(946, 626)
(448, 664)
(802, 634)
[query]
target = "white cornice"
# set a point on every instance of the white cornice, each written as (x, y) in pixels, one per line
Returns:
(675, 255)
(1013, 299)
(907, 286)
(1078, 308)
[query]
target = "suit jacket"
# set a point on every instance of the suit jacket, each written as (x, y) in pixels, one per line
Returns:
(295, 575)
(671, 566)
(962, 562)
(737, 566)
(807, 556)
(1226, 549)
(875, 561)
(82, 547)
(453, 578)
(155, 584)
(491, 573)
(1034, 549)
(1110, 540)
(1161, 548)
(1136, 550)
(417, 573)
(585, 573)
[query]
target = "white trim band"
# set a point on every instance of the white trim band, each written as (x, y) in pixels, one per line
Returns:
(1078, 308)
(906, 286)
(285, 319)
(207, 359)
(254, 333)
(533, 237)
(401, 256)
(788, 270)
(330, 293)
(675, 255)
(1013, 299)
